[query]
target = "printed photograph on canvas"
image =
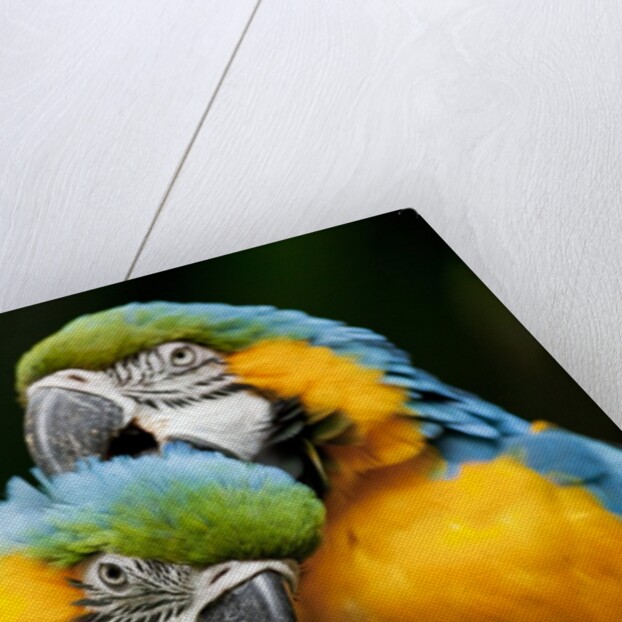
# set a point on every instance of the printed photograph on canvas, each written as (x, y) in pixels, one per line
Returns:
(346, 425)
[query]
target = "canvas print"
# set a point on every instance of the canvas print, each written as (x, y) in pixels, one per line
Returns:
(344, 426)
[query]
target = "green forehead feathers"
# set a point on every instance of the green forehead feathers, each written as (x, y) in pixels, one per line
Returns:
(98, 340)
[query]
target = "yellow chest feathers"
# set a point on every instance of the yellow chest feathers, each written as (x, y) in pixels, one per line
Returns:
(498, 543)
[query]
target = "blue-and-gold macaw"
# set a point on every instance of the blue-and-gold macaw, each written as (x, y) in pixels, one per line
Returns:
(186, 536)
(440, 505)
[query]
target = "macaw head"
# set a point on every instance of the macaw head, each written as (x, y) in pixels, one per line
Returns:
(261, 384)
(184, 537)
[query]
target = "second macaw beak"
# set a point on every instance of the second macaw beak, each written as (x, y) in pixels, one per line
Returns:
(263, 598)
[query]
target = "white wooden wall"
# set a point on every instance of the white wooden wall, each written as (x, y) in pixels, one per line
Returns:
(139, 136)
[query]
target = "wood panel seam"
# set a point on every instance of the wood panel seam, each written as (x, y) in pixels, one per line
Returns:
(193, 138)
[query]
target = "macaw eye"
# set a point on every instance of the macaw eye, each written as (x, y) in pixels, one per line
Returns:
(112, 575)
(183, 356)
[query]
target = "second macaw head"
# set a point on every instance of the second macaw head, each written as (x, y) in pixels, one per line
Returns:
(261, 384)
(183, 537)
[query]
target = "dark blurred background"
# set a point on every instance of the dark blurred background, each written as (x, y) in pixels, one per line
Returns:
(391, 273)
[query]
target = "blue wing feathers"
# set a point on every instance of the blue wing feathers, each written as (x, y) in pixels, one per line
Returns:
(475, 430)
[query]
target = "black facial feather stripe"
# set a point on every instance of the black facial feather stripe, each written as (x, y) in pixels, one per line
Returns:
(149, 365)
(157, 399)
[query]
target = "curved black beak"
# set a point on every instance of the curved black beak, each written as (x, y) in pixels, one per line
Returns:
(63, 426)
(263, 598)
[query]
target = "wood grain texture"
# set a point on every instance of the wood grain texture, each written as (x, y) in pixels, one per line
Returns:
(98, 102)
(499, 121)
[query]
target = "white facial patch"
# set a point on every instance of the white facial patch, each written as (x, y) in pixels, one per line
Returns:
(239, 423)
